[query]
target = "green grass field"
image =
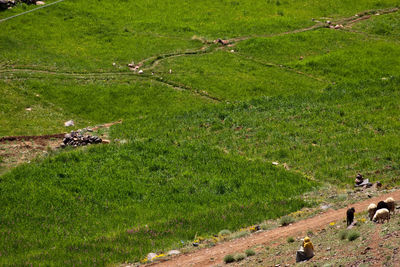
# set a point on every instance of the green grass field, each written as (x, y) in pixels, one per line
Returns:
(201, 139)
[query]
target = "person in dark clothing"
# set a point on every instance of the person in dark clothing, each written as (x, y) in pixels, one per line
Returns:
(350, 216)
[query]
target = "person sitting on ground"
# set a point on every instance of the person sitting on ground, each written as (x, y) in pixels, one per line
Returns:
(306, 251)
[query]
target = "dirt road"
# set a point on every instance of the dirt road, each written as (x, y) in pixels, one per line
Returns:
(203, 257)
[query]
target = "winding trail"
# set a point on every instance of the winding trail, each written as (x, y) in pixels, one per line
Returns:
(202, 257)
(150, 63)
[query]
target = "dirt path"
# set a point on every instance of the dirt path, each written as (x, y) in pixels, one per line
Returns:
(202, 257)
(15, 150)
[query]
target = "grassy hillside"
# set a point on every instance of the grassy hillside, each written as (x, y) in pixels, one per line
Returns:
(201, 125)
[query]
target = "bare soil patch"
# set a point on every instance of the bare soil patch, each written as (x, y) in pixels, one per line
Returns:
(15, 150)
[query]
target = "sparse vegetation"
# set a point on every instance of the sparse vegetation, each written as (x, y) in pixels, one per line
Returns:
(343, 234)
(229, 258)
(239, 256)
(250, 252)
(290, 239)
(224, 232)
(353, 235)
(286, 220)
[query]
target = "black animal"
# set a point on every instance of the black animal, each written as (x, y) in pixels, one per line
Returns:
(350, 216)
(382, 205)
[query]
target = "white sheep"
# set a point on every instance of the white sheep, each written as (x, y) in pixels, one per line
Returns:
(391, 204)
(371, 211)
(381, 215)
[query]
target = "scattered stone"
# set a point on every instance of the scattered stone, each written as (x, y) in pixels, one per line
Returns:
(170, 71)
(28, 109)
(105, 141)
(140, 71)
(76, 139)
(338, 26)
(173, 252)
(40, 3)
(325, 207)
(232, 51)
(328, 22)
(301, 58)
(114, 64)
(328, 249)
(275, 163)
(131, 65)
(69, 123)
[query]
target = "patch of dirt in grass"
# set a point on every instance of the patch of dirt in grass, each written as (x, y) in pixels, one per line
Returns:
(15, 150)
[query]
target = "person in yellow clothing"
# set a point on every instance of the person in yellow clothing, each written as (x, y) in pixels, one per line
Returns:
(306, 251)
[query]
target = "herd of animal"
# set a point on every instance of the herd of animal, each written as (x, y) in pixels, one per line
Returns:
(376, 213)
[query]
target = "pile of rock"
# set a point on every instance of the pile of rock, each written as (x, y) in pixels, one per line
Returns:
(76, 139)
(6, 4)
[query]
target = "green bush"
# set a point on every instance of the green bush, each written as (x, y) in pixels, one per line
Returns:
(286, 220)
(290, 239)
(239, 234)
(229, 258)
(353, 236)
(224, 232)
(240, 256)
(250, 252)
(343, 235)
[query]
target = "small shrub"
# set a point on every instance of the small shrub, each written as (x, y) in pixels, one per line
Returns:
(240, 256)
(286, 220)
(343, 235)
(239, 234)
(310, 233)
(229, 258)
(224, 232)
(265, 226)
(250, 252)
(290, 239)
(353, 235)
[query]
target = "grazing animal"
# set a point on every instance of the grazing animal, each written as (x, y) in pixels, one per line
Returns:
(382, 205)
(391, 204)
(350, 216)
(381, 215)
(371, 211)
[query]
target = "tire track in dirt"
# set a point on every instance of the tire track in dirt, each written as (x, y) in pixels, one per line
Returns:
(203, 257)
